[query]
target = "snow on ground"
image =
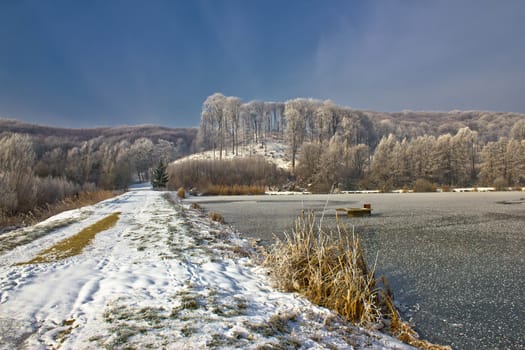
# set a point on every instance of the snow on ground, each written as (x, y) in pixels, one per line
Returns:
(273, 151)
(164, 276)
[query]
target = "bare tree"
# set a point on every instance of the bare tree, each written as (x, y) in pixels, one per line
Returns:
(295, 127)
(232, 111)
(213, 121)
(465, 148)
(16, 173)
(518, 130)
(141, 152)
(382, 167)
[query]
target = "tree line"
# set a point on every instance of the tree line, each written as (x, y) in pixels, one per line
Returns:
(333, 146)
(35, 173)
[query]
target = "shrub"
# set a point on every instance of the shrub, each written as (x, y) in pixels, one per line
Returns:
(500, 184)
(181, 193)
(422, 185)
(216, 217)
(446, 188)
(205, 175)
(330, 270)
(195, 206)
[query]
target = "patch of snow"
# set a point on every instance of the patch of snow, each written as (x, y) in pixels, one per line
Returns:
(273, 151)
(164, 276)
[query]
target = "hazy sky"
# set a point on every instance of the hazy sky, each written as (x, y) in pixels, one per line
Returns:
(90, 63)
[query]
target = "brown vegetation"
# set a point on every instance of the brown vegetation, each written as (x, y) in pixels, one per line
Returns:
(235, 176)
(330, 270)
(422, 185)
(195, 206)
(74, 245)
(38, 214)
(216, 217)
(181, 193)
(217, 190)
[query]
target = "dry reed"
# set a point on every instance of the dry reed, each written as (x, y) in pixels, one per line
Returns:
(195, 206)
(44, 212)
(181, 193)
(330, 270)
(227, 190)
(216, 217)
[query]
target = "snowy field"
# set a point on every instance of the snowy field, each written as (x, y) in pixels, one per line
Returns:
(273, 151)
(163, 277)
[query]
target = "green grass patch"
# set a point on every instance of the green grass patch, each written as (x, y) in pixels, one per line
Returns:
(74, 245)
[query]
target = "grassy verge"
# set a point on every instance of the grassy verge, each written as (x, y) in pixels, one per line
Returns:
(74, 245)
(329, 269)
(39, 214)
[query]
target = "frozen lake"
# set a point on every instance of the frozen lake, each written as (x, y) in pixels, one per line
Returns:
(455, 261)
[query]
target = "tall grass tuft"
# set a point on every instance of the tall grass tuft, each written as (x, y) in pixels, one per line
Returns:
(214, 216)
(181, 193)
(330, 270)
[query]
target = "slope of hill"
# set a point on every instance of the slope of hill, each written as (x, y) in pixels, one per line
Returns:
(274, 151)
(111, 134)
(490, 125)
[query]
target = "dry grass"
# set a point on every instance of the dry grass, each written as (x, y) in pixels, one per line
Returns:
(330, 270)
(39, 214)
(74, 245)
(216, 217)
(195, 206)
(226, 190)
(181, 192)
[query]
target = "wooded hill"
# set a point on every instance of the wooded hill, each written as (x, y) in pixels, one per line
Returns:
(41, 165)
(110, 134)
(337, 146)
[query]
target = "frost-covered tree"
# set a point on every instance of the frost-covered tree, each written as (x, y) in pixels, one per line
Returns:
(141, 154)
(419, 151)
(213, 121)
(16, 173)
(295, 127)
(443, 160)
(382, 168)
(518, 130)
(232, 112)
(465, 148)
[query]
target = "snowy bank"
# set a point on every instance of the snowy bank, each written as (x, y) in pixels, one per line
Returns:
(164, 276)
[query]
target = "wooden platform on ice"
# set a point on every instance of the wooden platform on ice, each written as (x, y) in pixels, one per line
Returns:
(365, 211)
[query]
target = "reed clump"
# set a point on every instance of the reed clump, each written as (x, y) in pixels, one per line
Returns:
(230, 190)
(330, 270)
(181, 193)
(195, 206)
(214, 216)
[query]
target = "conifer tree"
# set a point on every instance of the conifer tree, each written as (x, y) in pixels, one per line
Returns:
(160, 176)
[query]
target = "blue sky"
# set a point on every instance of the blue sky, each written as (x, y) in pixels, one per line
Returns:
(102, 62)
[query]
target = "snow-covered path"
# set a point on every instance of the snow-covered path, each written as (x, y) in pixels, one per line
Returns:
(163, 277)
